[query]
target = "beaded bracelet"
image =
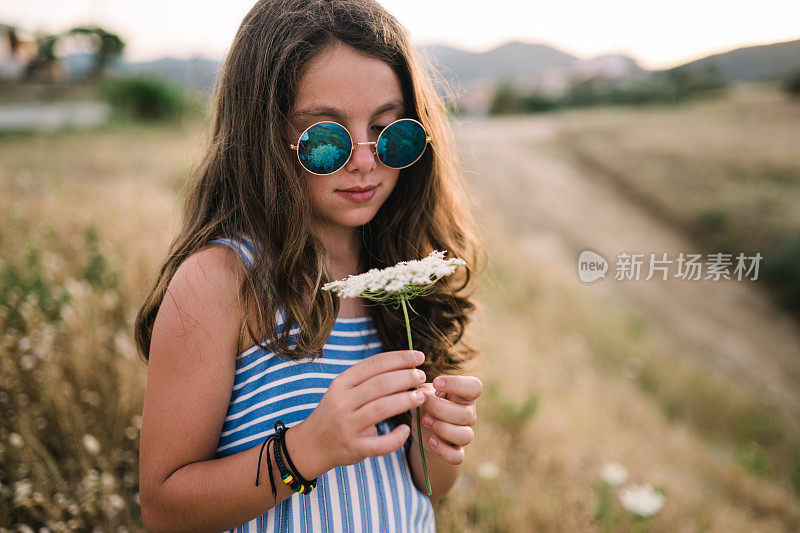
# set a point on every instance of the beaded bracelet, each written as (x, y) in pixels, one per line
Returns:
(292, 478)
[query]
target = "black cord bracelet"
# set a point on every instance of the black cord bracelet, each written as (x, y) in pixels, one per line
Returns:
(292, 478)
(312, 483)
(269, 464)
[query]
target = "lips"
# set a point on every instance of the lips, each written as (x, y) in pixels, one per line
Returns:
(358, 189)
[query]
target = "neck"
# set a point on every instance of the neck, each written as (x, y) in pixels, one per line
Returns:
(343, 245)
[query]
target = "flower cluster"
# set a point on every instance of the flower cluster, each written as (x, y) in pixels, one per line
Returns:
(643, 500)
(405, 279)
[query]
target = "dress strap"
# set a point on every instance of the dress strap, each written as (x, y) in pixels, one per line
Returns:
(246, 250)
(242, 245)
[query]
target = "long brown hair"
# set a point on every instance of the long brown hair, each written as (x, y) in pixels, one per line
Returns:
(248, 184)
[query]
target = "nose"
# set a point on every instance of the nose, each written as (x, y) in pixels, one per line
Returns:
(363, 158)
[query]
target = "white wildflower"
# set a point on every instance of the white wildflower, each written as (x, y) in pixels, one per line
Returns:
(406, 278)
(488, 470)
(24, 344)
(22, 491)
(16, 440)
(91, 444)
(116, 502)
(613, 473)
(27, 362)
(642, 500)
(107, 481)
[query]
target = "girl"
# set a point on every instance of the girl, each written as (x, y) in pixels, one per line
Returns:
(266, 224)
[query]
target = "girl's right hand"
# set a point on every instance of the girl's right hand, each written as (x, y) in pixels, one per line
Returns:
(343, 423)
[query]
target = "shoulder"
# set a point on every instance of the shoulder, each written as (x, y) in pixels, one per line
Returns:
(202, 299)
(210, 276)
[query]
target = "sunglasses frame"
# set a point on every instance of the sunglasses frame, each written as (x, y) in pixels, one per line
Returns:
(374, 144)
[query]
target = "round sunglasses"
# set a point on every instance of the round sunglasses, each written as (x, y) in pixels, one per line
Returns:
(325, 147)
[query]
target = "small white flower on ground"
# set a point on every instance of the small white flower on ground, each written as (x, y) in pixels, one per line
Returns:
(91, 444)
(613, 473)
(24, 344)
(488, 470)
(116, 502)
(107, 481)
(15, 440)
(642, 500)
(22, 491)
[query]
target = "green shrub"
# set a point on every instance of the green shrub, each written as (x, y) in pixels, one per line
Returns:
(505, 100)
(97, 270)
(28, 283)
(792, 84)
(143, 98)
(779, 268)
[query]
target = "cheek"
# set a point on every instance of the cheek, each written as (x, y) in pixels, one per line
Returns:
(319, 193)
(390, 181)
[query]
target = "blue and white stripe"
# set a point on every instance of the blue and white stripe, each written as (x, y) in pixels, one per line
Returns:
(375, 495)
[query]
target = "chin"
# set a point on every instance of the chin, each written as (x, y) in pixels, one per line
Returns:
(359, 221)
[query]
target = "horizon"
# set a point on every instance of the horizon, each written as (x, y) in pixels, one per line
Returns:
(646, 34)
(498, 45)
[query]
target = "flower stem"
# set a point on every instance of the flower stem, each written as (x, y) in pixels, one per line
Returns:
(419, 425)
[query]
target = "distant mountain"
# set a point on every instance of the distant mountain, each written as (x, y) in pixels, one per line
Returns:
(753, 63)
(529, 64)
(511, 60)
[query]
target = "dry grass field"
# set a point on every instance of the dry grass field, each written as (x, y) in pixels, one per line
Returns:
(692, 387)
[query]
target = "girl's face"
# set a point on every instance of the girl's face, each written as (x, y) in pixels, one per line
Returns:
(364, 95)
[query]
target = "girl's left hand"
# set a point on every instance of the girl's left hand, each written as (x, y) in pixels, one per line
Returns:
(448, 414)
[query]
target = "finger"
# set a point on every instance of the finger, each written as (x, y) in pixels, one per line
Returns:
(387, 383)
(380, 363)
(458, 435)
(451, 453)
(385, 444)
(467, 388)
(449, 411)
(386, 407)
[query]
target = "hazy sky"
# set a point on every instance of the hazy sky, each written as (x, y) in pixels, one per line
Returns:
(657, 34)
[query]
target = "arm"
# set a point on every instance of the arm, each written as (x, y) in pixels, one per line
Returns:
(216, 495)
(190, 377)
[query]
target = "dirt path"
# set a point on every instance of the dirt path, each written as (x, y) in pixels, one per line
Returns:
(558, 211)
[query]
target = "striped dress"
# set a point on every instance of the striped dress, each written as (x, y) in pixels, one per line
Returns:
(375, 495)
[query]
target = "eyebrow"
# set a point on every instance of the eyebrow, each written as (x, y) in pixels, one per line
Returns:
(328, 111)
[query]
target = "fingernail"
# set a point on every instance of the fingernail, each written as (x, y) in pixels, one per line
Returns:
(433, 441)
(419, 356)
(438, 383)
(420, 396)
(427, 420)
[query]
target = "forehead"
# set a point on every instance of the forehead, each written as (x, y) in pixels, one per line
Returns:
(342, 78)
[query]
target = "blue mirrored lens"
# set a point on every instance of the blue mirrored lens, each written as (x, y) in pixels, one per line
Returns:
(401, 143)
(324, 148)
